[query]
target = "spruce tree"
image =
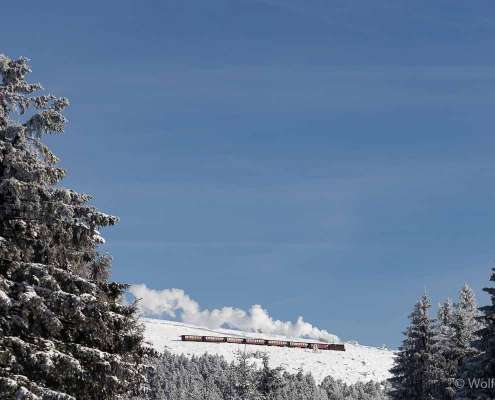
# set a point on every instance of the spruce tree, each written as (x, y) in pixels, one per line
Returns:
(269, 380)
(445, 352)
(243, 377)
(64, 334)
(414, 372)
(479, 371)
(466, 325)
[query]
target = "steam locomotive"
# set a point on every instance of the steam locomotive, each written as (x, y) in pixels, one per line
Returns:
(263, 342)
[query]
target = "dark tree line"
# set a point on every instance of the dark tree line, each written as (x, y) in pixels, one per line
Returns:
(248, 377)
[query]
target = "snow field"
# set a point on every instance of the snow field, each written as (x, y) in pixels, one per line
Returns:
(357, 363)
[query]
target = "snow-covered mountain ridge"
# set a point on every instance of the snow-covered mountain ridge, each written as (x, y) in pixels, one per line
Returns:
(357, 363)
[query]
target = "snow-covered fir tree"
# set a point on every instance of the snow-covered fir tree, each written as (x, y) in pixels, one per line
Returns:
(466, 324)
(243, 377)
(479, 371)
(302, 387)
(445, 354)
(414, 373)
(63, 332)
(269, 380)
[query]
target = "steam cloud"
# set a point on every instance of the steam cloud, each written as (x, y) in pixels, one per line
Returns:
(176, 304)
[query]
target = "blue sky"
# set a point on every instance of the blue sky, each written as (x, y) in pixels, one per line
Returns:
(330, 159)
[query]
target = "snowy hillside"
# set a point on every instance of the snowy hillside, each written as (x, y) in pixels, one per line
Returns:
(357, 363)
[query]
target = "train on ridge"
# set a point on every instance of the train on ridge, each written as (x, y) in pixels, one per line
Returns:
(263, 342)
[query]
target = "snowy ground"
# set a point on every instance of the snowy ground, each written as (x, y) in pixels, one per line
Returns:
(357, 363)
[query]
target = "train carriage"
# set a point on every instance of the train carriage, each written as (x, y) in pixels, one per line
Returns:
(336, 347)
(214, 339)
(301, 345)
(237, 340)
(279, 343)
(191, 338)
(255, 341)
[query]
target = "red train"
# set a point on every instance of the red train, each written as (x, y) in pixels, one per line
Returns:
(263, 342)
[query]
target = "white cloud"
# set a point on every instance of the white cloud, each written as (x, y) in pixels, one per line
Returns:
(176, 304)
